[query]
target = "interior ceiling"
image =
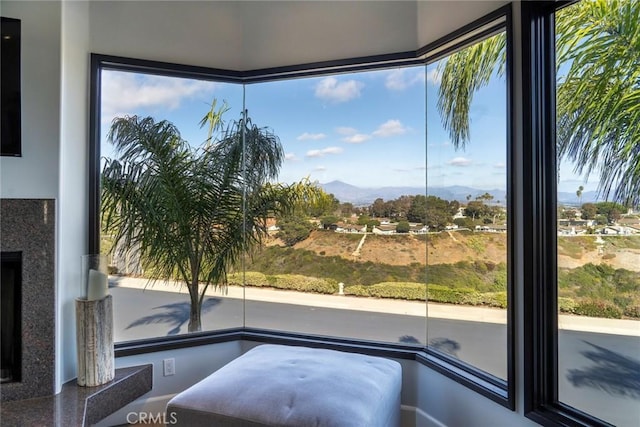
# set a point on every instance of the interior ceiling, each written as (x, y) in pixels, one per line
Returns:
(247, 35)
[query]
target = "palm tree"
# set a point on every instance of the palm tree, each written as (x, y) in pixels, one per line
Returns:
(193, 212)
(598, 99)
(579, 194)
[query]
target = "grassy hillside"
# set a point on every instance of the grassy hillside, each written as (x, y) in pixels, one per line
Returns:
(472, 269)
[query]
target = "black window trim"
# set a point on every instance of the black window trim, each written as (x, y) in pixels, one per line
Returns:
(496, 389)
(541, 375)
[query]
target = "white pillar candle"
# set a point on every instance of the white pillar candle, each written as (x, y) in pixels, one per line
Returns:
(97, 287)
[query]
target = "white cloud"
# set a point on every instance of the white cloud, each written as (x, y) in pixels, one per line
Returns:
(459, 162)
(125, 93)
(330, 89)
(500, 165)
(290, 156)
(400, 79)
(357, 138)
(324, 151)
(390, 128)
(320, 169)
(344, 130)
(311, 136)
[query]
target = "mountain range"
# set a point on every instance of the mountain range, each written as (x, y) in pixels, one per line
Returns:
(360, 196)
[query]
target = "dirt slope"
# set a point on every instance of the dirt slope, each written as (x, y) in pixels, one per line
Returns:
(451, 247)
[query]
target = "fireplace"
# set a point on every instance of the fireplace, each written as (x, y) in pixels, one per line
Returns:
(27, 246)
(10, 316)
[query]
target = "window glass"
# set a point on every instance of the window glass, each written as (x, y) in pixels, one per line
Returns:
(466, 205)
(134, 106)
(351, 264)
(333, 205)
(598, 85)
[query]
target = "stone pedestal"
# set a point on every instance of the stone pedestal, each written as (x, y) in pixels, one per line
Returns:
(94, 333)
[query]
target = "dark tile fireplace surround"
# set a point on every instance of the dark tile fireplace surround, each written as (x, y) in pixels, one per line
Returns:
(27, 232)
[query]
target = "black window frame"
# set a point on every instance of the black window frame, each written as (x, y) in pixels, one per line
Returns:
(541, 375)
(499, 390)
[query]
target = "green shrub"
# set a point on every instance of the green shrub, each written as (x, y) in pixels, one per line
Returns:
(439, 293)
(398, 290)
(566, 305)
(598, 308)
(495, 299)
(293, 282)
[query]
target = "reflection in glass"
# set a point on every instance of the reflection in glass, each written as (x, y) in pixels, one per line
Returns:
(466, 211)
(154, 180)
(598, 217)
(351, 265)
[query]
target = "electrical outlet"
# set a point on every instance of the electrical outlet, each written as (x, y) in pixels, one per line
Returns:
(169, 366)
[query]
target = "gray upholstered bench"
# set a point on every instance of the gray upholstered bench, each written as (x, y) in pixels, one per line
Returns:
(276, 385)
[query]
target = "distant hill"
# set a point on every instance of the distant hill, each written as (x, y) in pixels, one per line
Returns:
(360, 196)
(365, 196)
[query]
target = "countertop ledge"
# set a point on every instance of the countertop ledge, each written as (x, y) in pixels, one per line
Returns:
(80, 406)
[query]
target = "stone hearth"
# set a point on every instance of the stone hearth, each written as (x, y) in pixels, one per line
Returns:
(28, 226)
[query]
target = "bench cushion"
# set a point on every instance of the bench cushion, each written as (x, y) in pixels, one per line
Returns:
(276, 385)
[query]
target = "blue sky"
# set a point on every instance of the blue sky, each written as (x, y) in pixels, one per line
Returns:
(366, 129)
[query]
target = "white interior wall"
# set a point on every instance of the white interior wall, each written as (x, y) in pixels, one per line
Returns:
(73, 186)
(35, 174)
(216, 34)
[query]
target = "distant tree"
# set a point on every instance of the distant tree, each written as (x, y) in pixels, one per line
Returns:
(454, 207)
(418, 209)
(486, 197)
(403, 227)
(611, 210)
(569, 214)
(294, 229)
(476, 210)
(378, 208)
(579, 194)
(614, 215)
(402, 205)
(346, 209)
(372, 223)
(601, 219)
(328, 204)
(464, 222)
(589, 211)
(363, 219)
(328, 221)
(430, 210)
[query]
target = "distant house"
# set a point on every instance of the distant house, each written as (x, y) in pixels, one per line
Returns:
(424, 229)
(619, 230)
(343, 227)
(492, 228)
(574, 222)
(384, 229)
